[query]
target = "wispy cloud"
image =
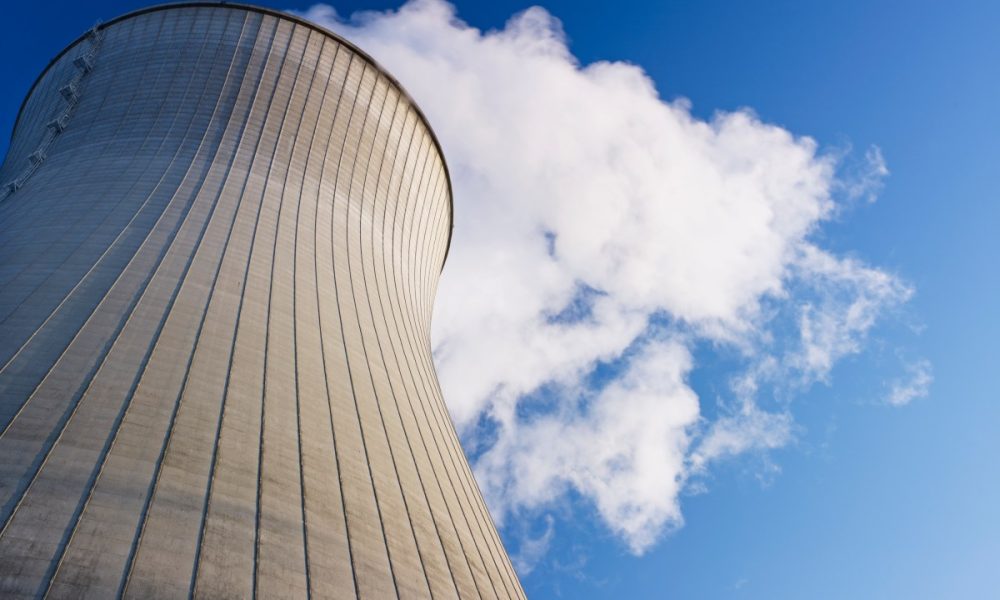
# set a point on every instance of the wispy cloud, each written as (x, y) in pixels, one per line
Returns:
(866, 176)
(602, 234)
(916, 384)
(739, 584)
(533, 549)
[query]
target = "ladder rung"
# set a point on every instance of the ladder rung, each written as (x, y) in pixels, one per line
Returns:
(58, 125)
(83, 63)
(69, 92)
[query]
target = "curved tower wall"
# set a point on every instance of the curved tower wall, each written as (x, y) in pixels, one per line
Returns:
(220, 236)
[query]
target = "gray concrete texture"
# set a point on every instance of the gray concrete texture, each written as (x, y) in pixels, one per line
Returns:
(221, 231)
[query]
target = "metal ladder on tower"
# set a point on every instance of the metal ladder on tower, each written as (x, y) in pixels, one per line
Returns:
(84, 64)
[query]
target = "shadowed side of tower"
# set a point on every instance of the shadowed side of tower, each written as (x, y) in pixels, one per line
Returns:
(221, 229)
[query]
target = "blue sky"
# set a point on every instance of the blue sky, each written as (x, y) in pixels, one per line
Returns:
(862, 499)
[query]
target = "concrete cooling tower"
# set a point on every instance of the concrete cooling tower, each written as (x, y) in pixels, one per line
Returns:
(221, 230)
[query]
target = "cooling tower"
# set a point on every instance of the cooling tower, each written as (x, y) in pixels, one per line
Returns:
(221, 230)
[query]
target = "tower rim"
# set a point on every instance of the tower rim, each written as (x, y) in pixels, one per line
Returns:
(281, 15)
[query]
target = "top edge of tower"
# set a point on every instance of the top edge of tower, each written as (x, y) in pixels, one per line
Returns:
(281, 15)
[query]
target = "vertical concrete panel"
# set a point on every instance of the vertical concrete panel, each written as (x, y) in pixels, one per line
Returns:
(400, 532)
(29, 438)
(391, 388)
(281, 563)
(372, 570)
(228, 559)
(330, 560)
(215, 297)
(103, 540)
